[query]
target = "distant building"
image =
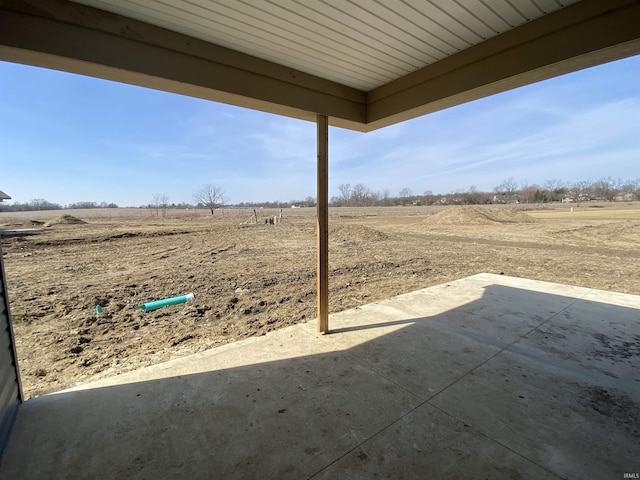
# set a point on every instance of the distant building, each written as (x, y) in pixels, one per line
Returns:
(622, 197)
(4, 196)
(506, 198)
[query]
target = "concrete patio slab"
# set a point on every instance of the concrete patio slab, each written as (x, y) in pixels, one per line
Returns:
(561, 420)
(485, 377)
(428, 443)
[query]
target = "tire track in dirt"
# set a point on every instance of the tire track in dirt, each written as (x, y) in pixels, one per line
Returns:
(633, 253)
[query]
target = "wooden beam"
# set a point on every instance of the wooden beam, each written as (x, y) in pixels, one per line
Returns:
(323, 223)
(71, 37)
(587, 33)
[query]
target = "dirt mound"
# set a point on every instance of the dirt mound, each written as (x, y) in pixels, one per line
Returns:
(65, 220)
(355, 233)
(479, 216)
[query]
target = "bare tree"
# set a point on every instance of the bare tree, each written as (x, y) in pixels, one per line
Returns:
(582, 186)
(428, 197)
(529, 192)
(164, 204)
(606, 188)
(39, 204)
(508, 186)
(554, 190)
(211, 196)
(405, 192)
(386, 195)
(160, 204)
(360, 195)
(345, 192)
(553, 185)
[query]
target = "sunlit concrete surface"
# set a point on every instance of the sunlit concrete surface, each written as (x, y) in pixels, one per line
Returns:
(485, 377)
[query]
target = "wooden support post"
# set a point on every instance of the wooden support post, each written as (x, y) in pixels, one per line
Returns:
(323, 223)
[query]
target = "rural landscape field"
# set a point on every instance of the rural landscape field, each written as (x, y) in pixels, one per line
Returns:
(249, 278)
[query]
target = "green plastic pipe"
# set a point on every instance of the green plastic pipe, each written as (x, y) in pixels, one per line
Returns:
(149, 306)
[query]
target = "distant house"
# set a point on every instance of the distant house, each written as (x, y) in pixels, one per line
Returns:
(622, 197)
(584, 197)
(4, 196)
(506, 198)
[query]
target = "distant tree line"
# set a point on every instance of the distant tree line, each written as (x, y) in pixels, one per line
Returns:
(42, 204)
(509, 191)
(307, 202)
(91, 205)
(212, 197)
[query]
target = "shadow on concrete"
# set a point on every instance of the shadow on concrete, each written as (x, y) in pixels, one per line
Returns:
(474, 380)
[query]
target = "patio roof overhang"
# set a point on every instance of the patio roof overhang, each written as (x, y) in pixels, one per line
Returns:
(361, 65)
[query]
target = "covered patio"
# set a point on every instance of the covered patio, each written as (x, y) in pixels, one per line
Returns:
(489, 376)
(485, 377)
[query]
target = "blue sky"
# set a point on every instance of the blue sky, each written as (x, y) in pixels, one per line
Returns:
(69, 138)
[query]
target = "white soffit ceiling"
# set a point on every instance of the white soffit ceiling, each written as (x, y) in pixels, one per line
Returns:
(360, 43)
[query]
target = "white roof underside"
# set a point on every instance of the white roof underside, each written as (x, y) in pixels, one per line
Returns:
(360, 43)
(364, 64)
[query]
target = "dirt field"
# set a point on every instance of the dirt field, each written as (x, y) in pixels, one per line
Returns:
(251, 279)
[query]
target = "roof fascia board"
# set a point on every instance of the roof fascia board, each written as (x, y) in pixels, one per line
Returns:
(76, 38)
(582, 35)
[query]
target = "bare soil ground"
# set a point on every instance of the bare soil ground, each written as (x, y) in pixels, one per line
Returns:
(251, 279)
